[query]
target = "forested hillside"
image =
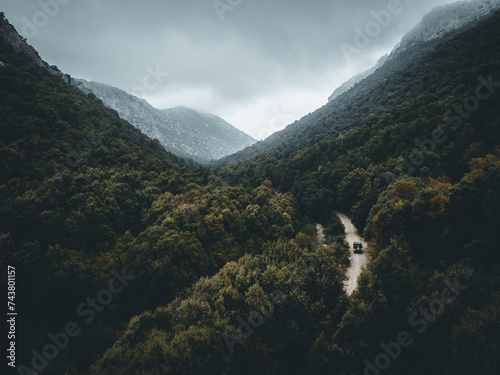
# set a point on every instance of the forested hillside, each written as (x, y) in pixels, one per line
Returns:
(420, 123)
(419, 172)
(431, 289)
(219, 270)
(347, 110)
(84, 193)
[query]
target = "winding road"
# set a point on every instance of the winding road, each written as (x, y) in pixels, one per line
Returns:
(357, 260)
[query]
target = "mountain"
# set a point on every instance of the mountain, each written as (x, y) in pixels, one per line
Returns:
(85, 197)
(193, 135)
(343, 112)
(357, 78)
(9, 34)
(444, 19)
(130, 260)
(185, 132)
(434, 25)
(222, 138)
(413, 154)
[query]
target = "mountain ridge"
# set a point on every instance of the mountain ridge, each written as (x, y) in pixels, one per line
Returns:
(184, 139)
(435, 24)
(9, 33)
(444, 19)
(227, 263)
(180, 130)
(310, 127)
(347, 85)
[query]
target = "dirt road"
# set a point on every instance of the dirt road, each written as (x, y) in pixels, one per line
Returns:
(357, 260)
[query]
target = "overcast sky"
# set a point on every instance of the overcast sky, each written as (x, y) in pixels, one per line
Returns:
(259, 64)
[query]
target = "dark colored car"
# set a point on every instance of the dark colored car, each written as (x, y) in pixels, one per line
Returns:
(358, 247)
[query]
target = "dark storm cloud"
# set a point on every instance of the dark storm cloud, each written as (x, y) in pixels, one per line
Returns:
(241, 59)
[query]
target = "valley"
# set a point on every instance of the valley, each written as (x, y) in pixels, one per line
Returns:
(180, 245)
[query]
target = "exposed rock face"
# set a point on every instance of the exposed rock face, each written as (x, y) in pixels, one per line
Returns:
(443, 19)
(434, 25)
(184, 132)
(11, 36)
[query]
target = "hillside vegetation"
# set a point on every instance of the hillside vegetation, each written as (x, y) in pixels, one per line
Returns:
(224, 273)
(431, 289)
(84, 193)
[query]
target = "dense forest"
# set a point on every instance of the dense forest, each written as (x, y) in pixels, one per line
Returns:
(224, 273)
(84, 193)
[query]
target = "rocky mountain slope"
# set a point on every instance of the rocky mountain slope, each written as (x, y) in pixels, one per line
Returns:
(336, 117)
(444, 19)
(184, 132)
(11, 36)
(434, 25)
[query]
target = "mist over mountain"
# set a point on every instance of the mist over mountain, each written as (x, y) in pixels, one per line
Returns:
(185, 132)
(357, 78)
(361, 239)
(440, 21)
(444, 19)
(336, 117)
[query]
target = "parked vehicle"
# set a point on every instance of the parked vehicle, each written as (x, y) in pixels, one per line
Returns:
(358, 247)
